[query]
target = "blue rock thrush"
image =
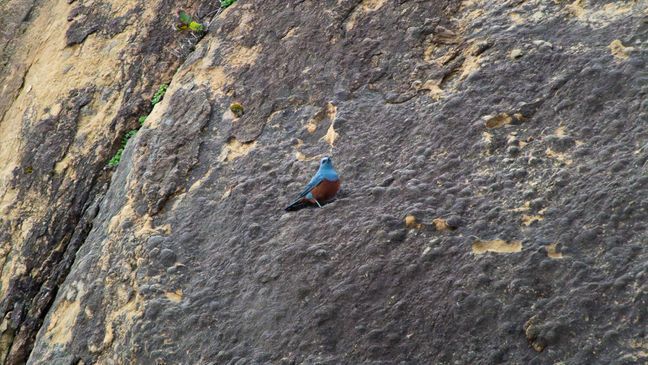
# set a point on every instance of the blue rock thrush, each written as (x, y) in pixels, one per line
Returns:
(322, 187)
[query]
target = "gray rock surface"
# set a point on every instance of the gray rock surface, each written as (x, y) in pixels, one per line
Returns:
(493, 157)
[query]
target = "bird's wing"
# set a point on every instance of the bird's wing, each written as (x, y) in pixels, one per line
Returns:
(316, 180)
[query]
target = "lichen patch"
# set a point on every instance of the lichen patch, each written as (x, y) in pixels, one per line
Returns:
(174, 296)
(366, 6)
(198, 183)
(434, 86)
(516, 18)
(331, 135)
(126, 213)
(62, 321)
(576, 8)
(329, 112)
(497, 246)
(471, 64)
(243, 56)
(123, 317)
(528, 220)
(290, 33)
(311, 126)
(147, 228)
(63, 164)
(440, 224)
(411, 222)
(562, 157)
(524, 208)
(226, 194)
(64, 317)
(619, 51)
(234, 149)
(599, 16)
(12, 267)
(299, 156)
(497, 121)
(487, 137)
(552, 252)
(216, 78)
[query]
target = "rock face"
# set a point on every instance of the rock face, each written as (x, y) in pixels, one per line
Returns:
(493, 210)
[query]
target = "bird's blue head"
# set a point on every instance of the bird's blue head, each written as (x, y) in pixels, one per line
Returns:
(326, 169)
(326, 163)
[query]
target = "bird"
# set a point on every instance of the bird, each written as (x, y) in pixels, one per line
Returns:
(321, 189)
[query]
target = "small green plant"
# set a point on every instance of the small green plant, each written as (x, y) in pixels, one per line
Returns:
(237, 109)
(186, 22)
(159, 94)
(225, 3)
(128, 136)
(157, 97)
(114, 161)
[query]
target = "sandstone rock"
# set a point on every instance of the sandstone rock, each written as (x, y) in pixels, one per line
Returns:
(183, 254)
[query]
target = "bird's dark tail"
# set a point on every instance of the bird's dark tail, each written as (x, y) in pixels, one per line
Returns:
(296, 205)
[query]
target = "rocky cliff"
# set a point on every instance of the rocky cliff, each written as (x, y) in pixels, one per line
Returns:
(493, 156)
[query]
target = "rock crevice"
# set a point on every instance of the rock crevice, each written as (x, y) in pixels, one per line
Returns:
(493, 162)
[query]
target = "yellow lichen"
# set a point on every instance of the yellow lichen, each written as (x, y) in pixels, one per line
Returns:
(174, 296)
(516, 18)
(226, 193)
(234, 149)
(290, 33)
(366, 6)
(200, 181)
(440, 224)
(525, 207)
(562, 157)
(497, 121)
(498, 246)
(552, 252)
(410, 222)
(331, 135)
(598, 16)
(527, 220)
(243, 56)
(619, 51)
(63, 318)
(434, 86)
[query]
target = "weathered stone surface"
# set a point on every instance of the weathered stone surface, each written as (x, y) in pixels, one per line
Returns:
(493, 206)
(64, 107)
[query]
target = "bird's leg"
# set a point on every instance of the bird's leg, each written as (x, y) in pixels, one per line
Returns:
(316, 202)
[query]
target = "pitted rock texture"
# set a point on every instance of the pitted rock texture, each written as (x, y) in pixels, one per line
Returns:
(494, 163)
(65, 103)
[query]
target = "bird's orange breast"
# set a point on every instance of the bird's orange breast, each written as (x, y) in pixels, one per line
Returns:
(326, 190)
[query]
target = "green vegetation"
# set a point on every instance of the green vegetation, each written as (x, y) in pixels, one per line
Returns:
(225, 3)
(117, 157)
(237, 109)
(157, 97)
(186, 22)
(159, 94)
